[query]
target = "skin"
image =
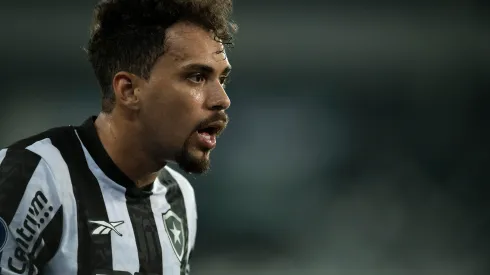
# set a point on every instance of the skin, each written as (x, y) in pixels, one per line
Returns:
(154, 121)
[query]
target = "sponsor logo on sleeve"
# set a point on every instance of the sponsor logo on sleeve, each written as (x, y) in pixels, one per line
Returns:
(38, 215)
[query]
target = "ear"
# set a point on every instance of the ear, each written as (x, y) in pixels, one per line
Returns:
(126, 90)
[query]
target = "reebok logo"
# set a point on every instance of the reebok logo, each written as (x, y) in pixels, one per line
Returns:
(105, 228)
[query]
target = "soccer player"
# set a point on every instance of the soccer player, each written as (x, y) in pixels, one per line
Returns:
(99, 198)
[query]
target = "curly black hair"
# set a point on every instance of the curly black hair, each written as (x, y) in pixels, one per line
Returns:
(129, 35)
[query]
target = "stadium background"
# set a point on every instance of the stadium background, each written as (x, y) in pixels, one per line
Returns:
(359, 135)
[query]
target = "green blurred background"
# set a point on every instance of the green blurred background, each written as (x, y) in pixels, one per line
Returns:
(359, 136)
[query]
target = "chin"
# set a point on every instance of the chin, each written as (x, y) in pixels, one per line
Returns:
(194, 162)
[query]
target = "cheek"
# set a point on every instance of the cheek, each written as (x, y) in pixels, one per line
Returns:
(189, 102)
(179, 111)
(175, 106)
(197, 96)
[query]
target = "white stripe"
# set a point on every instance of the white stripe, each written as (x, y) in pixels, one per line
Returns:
(62, 262)
(124, 250)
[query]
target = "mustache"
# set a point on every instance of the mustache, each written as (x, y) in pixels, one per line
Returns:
(216, 117)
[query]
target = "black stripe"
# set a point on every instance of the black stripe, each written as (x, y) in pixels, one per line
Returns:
(94, 252)
(16, 171)
(176, 200)
(146, 234)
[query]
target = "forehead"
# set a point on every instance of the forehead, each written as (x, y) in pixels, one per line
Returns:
(188, 43)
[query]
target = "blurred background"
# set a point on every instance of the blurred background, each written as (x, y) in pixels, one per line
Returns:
(359, 136)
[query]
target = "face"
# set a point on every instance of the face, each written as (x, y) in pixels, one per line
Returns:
(183, 103)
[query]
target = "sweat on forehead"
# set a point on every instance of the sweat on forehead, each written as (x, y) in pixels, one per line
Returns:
(186, 40)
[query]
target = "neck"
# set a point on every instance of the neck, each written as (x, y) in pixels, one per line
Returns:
(122, 144)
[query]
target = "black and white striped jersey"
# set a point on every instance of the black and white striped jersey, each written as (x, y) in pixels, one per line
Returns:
(65, 208)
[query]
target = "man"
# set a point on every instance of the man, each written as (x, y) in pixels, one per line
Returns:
(98, 198)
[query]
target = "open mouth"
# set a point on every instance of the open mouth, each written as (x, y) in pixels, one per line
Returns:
(211, 130)
(209, 133)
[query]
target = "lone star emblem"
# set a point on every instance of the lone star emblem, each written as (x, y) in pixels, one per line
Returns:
(175, 232)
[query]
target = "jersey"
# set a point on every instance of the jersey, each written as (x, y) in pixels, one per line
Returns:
(66, 208)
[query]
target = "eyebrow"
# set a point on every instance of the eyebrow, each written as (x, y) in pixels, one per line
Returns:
(205, 68)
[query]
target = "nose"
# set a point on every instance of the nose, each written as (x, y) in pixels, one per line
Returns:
(218, 99)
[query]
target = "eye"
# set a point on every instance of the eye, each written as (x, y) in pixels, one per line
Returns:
(197, 78)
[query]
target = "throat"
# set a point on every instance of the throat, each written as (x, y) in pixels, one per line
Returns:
(131, 162)
(146, 181)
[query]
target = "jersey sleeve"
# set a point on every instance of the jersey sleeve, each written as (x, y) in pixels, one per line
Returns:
(30, 212)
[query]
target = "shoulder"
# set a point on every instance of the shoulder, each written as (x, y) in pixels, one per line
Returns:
(186, 189)
(189, 200)
(30, 172)
(40, 147)
(184, 185)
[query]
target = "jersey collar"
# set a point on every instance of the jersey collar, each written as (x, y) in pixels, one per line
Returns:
(91, 141)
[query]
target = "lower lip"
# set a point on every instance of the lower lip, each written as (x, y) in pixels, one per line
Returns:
(207, 140)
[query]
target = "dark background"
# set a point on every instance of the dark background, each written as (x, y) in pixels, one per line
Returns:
(359, 135)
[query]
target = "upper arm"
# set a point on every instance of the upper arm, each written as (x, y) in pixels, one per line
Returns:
(30, 212)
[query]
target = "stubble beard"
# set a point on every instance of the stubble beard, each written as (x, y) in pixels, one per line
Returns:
(190, 164)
